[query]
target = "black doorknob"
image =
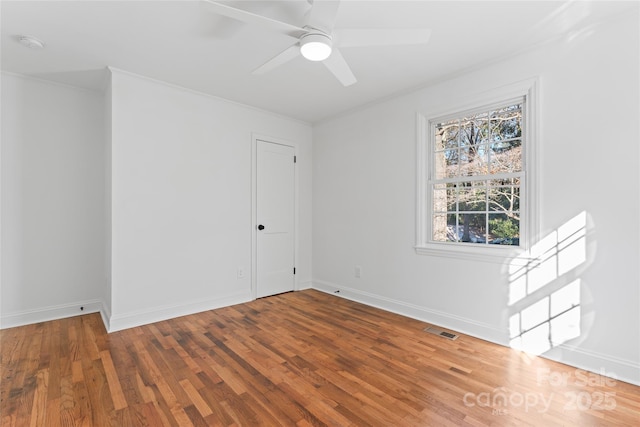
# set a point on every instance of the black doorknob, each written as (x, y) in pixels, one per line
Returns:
(261, 227)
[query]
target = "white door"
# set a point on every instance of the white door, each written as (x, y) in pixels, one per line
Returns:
(275, 215)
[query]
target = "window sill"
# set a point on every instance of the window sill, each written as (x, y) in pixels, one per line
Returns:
(498, 255)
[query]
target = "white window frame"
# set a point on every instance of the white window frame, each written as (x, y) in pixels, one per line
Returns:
(529, 202)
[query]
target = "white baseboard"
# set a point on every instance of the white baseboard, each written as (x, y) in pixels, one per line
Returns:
(456, 323)
(117, 322)
(603, 364)
(113, 323)
(623, 370)
(53, 312)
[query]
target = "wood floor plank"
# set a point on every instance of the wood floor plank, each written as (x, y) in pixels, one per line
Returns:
(196, 398)
(38, 415)
(119, 401)
(296, 359)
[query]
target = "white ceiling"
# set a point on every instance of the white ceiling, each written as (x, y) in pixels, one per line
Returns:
(183, 43)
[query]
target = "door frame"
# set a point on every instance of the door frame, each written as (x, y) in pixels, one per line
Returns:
(255, 137)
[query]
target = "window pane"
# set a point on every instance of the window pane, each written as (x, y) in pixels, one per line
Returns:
(504, 196)
(472, 228)
(472, 196)
(504, 230)
(440, 228)
(440, 198)
(438, 141)
(447, 135)
(452, 158)
(452, 197)
(473, 160)
(474, 130)
(504, 199)
(505, 156)
(446, 164)
(482, 160)
(506, 123)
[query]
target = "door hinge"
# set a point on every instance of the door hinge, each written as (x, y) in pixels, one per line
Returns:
(294, 270)
(295, 159)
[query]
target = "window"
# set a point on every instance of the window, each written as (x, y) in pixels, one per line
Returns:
(477, 175)
(474, 170)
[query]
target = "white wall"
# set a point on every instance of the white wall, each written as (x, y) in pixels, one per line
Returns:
(181, 199)
(364, 200)
(136, 203)
(52, 200)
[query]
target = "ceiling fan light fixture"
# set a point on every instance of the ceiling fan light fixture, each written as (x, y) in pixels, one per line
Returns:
(315, 46)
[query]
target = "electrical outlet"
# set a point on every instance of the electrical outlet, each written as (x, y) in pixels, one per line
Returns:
(241, 273)
(358, 271)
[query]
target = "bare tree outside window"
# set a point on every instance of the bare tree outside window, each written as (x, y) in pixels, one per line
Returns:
(477, 171)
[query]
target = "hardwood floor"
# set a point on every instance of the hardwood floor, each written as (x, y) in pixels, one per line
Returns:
(303, 358)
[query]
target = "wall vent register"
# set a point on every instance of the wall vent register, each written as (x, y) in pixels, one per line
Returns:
(440, 332)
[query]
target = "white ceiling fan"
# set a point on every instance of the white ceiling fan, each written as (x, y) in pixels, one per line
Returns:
(317, 40)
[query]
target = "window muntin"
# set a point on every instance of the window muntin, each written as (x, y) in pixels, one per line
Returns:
(476, 176)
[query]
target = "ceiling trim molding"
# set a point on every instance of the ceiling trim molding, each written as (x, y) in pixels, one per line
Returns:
(206, 95)
(50, 82)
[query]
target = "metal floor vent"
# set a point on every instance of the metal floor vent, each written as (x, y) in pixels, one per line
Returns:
(436, 331)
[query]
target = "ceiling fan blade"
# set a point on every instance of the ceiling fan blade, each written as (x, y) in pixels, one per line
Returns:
(339, 67)
(252, 18)
(381, 37)
(283, 57)
(322, 15)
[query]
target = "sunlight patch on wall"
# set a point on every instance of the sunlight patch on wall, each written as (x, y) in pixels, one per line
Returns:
(551, 321)
(547, 316)
(556, 254)
(572, 244)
